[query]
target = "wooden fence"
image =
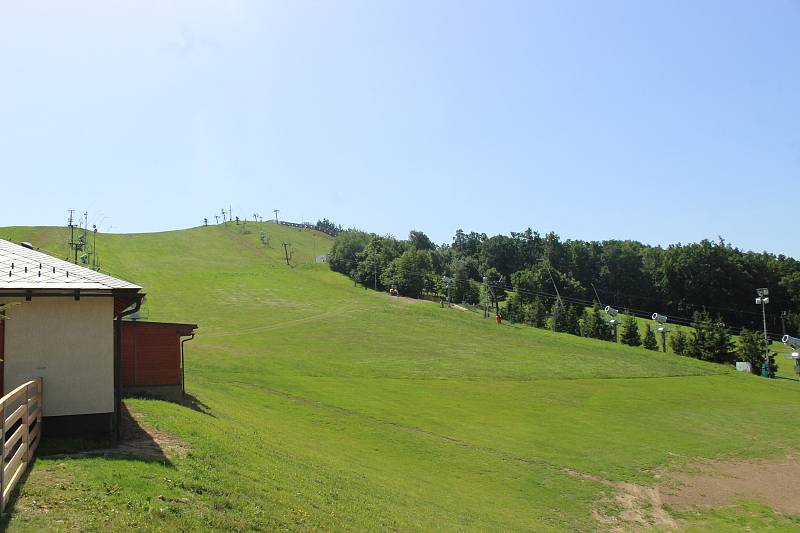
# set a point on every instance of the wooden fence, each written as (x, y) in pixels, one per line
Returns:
(22, 430)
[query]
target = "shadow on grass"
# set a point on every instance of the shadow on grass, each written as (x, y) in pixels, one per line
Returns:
(186, 400)
(135, 443)
(9, 510)
(193, 403)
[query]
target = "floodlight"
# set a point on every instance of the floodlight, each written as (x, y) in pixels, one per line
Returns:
(611, 311)
(661, 319)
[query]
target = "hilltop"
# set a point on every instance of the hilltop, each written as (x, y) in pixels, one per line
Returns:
(317, 404)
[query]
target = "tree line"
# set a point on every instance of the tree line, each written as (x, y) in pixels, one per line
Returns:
(677, 280)
(709, 285)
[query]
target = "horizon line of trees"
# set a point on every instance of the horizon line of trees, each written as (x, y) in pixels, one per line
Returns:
(679, 280)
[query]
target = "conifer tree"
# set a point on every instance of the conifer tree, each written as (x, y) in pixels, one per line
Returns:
(650, 341)
(603, 328)
(589, 324)
(711, 340)
(570, 322)
(679, 342)
(630, 332)
(594, 324)
(722, 345)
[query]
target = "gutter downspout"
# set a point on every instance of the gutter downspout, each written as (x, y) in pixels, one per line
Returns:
(118, 363)
(183, 371)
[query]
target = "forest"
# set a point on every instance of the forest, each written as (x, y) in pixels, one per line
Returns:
(539, 278)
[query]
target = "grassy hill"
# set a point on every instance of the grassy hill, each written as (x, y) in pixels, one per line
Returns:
(325, 406)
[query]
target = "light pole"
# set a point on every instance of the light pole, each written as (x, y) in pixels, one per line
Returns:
(763, 299)
(613, 321)
(662, 329)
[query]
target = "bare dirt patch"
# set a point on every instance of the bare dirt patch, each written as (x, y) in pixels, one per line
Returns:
(408, 299)
(774, 483)
(632, 507)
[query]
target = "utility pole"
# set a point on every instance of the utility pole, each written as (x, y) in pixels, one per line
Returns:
(276, 214)
(94, 249)
(216, 217)
(558, 296)
(448, 283)
(71, 224)
(783, 322)
(85, 242)
(286, 252)
(223, 214)
(493, 301)
(375, 277)
(596, 295)
(486, 297)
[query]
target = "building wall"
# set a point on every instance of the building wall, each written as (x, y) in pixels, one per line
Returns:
(151, 354)
(71, 345)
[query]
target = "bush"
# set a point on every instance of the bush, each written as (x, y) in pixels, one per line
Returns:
(751, 348)
(536, 314)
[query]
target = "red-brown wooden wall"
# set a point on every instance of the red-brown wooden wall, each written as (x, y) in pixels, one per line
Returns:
(151, 353)
(2, 356)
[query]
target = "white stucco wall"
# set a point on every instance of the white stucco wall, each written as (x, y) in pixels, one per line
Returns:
(71, 345)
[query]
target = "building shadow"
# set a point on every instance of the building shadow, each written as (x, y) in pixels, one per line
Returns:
(136, 442)
(195, 404)
(185, 399)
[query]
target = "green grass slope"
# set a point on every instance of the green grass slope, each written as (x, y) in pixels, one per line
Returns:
(332, 407)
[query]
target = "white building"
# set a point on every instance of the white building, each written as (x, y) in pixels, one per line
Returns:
(63, 325)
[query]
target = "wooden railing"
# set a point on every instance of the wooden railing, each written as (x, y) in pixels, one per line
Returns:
(22, 429)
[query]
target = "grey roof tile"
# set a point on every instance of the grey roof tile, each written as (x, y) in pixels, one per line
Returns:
(23, 268)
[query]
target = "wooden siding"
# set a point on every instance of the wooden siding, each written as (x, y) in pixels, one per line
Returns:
(2, 354)
(151, 354)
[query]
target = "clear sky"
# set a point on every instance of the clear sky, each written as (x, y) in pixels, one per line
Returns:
(657, 121)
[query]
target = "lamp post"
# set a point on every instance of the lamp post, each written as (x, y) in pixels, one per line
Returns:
(612, 321)
(662, 329)
(763, 299)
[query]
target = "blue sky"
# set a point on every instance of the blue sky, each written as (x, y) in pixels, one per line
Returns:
(662, 122)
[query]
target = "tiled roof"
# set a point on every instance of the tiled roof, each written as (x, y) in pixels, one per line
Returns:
(23, 268)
